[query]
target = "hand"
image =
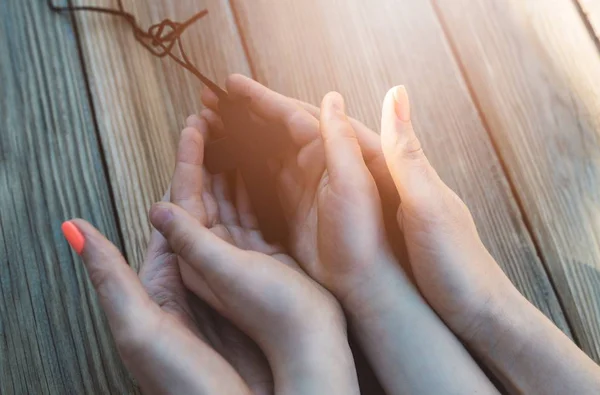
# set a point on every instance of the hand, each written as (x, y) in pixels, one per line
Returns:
(339, 237)
(445, 290)
(315, 201)
(453, 270)
(158, 343)
(462, 281)
(224, 260)
(161, 278)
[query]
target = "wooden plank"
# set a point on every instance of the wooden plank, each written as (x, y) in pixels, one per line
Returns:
(361, 49)
(591, 10)
(534, 69)
(53, 336)
(143, 101)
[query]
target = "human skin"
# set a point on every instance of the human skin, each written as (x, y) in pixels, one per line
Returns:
(448, 262)
(465, 285)
(298, 324)
(339, 238)
(158, 345)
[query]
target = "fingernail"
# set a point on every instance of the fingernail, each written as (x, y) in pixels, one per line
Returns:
(73, 236)
(402, 104)
(160, 215)
(336, 101)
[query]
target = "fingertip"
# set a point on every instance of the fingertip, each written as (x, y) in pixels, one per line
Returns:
(212, 119)
(389, 130)
(401, 103)
(397, 134)
(333, 103)
(236, 80)
(86, 240)
(209, 98)
(191, 120)
(160, 215)
(74, 236)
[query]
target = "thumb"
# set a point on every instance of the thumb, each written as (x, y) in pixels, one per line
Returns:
(120, 292)
(213, 259)
(415, 179)
(344, 160)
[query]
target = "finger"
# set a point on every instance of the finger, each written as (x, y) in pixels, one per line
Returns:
(274, 107)
(246, 214)
(234, 275)
(187, 184)
(209, 99)
(194, 243)
(370, 146)
(214, 268)
(342, 152)
(412, 173)
(213, 119)
(157, 246)
(290, 186)
(194, 121)
(119, 289)
(370, 143)
(210, 207)
(227, 211)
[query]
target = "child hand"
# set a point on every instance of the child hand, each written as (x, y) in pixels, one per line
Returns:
(224, 259)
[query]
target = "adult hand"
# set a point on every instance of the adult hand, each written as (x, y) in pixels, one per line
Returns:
(158, 345)
(464, 284)
(161, 279)
(225, 261)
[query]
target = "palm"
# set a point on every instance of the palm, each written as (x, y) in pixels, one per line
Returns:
(162, 279)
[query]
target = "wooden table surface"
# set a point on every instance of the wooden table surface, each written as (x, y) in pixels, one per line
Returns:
(506, 98)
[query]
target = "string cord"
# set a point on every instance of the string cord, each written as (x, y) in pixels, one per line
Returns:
(160, 39)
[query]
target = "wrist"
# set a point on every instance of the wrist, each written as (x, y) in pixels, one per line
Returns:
(498, 320)
(382, 289)
(319, 361)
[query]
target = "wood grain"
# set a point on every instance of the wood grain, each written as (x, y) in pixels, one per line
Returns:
(143, 101)
(534, 69)
(361, 49)
(53, 336)
(591, 10)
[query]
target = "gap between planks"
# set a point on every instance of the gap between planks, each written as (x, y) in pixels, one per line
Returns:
(511, 183)
(101, 142)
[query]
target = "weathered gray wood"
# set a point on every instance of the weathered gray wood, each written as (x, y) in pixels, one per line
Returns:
(53, 336)
(535, 71)
(143, 101)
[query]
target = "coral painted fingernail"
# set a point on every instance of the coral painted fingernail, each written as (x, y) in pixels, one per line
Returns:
(73, 236)
(402, 104)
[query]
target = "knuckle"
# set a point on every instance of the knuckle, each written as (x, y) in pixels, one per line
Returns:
(411, 149)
